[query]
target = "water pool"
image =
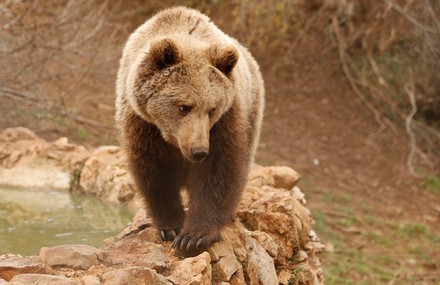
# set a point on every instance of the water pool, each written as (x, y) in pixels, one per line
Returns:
(30, 220)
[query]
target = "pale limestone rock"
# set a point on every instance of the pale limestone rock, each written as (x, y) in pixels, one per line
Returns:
(11, 265)
(105, 174)
(224, 261)
(134, 275)
(260, 266)
(41, 279)
(3, 281)
(28, 161)
(90, 280)
(269, 244)
(118, 276)
(192, 271)
(274, 176)
(232, 234)
(274, 223)
(76, 256)
(135, 251)
(299, 195)
(302, 255)
(284, 177)
(285, 277)
(219, 250)
(238, 278)
(225, 268)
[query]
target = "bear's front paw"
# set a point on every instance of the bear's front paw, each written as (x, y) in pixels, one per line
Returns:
(193, 243)
(168, 234)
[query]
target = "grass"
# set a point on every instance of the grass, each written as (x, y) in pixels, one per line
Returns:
(381, 252)
(82, 134)
(432, 182)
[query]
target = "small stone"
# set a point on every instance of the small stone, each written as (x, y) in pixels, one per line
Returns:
(225, 267)
(284, 177)
(90, 280)
(41, 279)
(3, 281)
(76, 256)
(219, 250)
(192, 271)
(12, 265)
(302, 255)
(284, 277)
(299, 195)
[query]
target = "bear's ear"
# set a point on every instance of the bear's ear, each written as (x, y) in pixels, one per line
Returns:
(164, 53)
(224, 59)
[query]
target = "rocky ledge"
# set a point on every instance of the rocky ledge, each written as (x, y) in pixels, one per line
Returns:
(270, 242)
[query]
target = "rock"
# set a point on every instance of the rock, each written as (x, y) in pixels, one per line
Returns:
(90, 280)
(233, 234)
(134, 275)
(284, 177)
(285, 277)
(224, 261)
(219, 250)
(302, 255)
(260, 267)
(79, 256)
(119, 276)
(3, 281)
(135, 251)
(29, 162)
(274, 176)
(273, 225)
(192, 271)
(299, 195)
(237, 278)
(105, 174)
(11, 265)
(274, 249)
(225, 268)
(41, 279)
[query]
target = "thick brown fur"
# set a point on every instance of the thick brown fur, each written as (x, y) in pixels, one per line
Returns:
(189, 108)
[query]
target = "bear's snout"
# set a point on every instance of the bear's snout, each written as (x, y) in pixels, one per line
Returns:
(198, 154)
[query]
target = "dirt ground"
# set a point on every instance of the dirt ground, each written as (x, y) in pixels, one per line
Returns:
(379, 223)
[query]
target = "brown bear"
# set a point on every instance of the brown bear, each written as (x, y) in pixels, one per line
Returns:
(189, 108)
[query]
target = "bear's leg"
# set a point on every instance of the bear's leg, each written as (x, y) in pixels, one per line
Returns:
(160, 185)
(215, 188)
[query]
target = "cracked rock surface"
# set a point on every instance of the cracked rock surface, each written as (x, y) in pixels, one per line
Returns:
(271, 241)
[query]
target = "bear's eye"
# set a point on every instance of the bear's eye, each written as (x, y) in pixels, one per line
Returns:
(184, 110)
(211, 113)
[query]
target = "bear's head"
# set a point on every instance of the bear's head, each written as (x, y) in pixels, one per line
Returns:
(184, 90)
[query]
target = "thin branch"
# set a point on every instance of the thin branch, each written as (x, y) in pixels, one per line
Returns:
(410, 90)
(342, 47)
(410, 18)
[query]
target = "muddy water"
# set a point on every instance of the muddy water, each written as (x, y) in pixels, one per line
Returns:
(30, 220)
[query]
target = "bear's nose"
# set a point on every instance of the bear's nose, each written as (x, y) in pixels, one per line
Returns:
(199, 153)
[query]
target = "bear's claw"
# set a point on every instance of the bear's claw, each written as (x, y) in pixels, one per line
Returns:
(168, 235)
(192, 244)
